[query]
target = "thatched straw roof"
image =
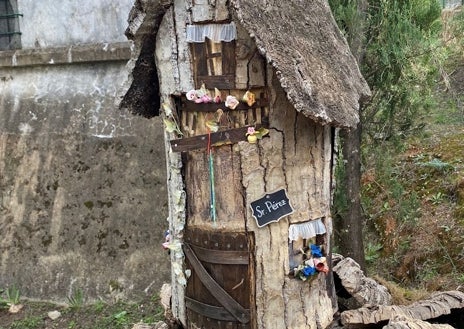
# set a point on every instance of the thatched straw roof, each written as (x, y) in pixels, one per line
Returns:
(311, 58)
(302, 42)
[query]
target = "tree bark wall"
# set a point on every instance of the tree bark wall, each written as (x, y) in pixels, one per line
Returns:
(174, 75)
(295, 156)
(296, 148)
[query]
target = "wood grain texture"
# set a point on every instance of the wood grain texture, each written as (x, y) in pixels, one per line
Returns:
(200, 142)
(439, 303)
(266, 167)
(307, 151)
(234, 279)
(209, 10)
(228, 190)
(403, 322)
(365, 291)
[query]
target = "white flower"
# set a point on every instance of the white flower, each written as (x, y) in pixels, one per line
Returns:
(231, 102)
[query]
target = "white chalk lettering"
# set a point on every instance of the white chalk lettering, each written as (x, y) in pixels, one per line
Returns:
(274, 205)
(260, 212)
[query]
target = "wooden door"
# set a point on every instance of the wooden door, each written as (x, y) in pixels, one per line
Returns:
(219, 292)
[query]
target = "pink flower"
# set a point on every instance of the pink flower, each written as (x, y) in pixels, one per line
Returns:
(231, 102)
(251, 131)
(191, 95)
(206, 99)
(321, 264)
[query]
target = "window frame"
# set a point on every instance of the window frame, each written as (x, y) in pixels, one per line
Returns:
(203, 56)
(10, 34)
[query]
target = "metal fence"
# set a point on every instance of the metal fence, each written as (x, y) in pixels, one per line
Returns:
(451, 3)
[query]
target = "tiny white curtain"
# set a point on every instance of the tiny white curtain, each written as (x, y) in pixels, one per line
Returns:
(214, 32)
(306, 230)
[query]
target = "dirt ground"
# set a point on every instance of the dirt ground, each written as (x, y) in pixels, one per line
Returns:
(119, 315)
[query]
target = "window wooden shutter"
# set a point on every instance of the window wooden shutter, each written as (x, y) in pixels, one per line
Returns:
(214, 64)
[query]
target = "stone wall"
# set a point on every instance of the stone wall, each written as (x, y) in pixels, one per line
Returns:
(83, 201)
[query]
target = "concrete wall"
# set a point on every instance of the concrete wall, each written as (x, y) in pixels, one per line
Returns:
(83, 201)
(48, 23)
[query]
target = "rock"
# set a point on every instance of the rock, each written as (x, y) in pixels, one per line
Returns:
(54, 315)
(142, 326)
(158, 325)
(161, 325)
(165, 296)
(15, 308)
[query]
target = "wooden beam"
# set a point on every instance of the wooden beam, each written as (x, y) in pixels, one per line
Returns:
(217, 139)
(213, 107)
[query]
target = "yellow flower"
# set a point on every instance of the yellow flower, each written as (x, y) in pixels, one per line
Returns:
(249, 98)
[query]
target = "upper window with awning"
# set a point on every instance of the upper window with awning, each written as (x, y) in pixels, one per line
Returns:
(213, 53)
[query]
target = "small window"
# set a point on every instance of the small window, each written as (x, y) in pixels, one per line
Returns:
(10, 36)
(213, 54)
(214, 64)
(303, 237)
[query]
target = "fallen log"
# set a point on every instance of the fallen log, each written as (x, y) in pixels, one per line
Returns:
(364, 290)
(403, 322)
(440, 303)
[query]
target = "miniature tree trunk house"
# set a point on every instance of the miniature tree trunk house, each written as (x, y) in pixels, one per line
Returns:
(251, 93)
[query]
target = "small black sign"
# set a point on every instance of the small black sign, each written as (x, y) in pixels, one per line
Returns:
(271, 207)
